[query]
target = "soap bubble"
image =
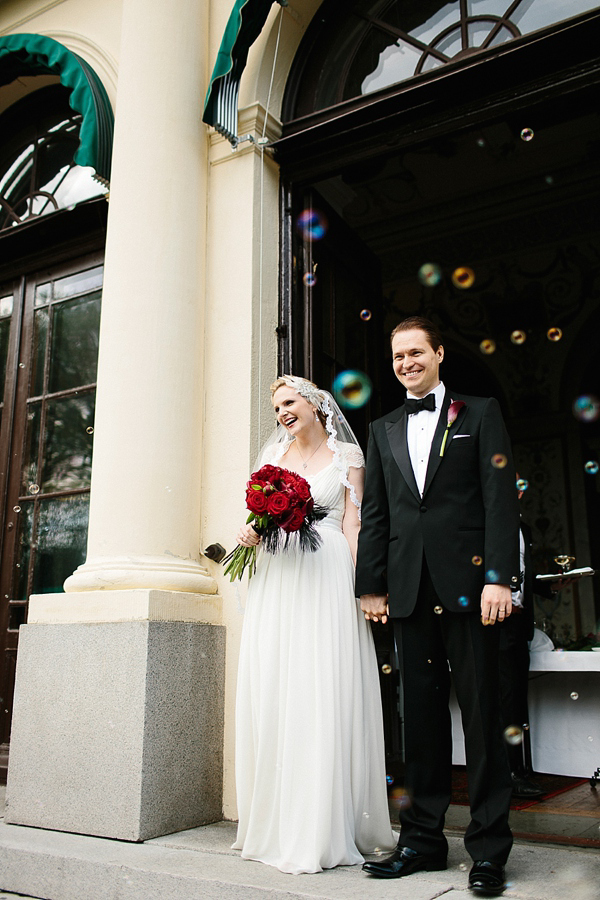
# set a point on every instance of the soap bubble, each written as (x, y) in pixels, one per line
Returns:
(17, 509)
(522, 484)
(365, 314)
(499, 460)
(34, 488)
(438, 610)
(487, 346)
(400, 799)
(554, 334)
(513, 735)
(527, 134)
(492, 576)
(429, 274)
(463, 601)
(463, 277)
(312, 225)
(549, 179)
(462, 867)
(477, 560)
(574, 695)
(389, 779)
(592, 467)
(518, 336)
(309, 279)
(352, 389)
(586, 408)
(386, 669)
(89, 429)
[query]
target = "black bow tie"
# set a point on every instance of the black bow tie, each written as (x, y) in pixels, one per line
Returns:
(415, 406)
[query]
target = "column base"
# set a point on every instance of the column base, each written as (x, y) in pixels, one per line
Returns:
(163, 573)
(118, 728)
(94, 607)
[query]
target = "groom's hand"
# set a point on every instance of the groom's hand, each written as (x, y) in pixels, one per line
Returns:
(375, 607)
(496, 603)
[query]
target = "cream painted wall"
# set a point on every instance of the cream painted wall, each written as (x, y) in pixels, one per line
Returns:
(90, 28)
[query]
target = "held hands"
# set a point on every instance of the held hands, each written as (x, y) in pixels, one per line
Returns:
(496, 603)
(248, 537)
(375, 607)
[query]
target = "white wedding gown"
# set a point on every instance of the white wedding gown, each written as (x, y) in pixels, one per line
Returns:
(310, 770)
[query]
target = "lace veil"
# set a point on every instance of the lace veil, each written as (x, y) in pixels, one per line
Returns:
(341, 440)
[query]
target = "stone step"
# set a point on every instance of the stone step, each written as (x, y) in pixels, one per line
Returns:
(200, 864)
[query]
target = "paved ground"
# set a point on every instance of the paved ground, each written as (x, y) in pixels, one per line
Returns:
(199, 863)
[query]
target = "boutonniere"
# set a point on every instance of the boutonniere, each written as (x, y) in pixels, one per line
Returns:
(453, 411)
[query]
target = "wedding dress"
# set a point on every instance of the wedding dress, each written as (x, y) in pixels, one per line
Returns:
(310, 770)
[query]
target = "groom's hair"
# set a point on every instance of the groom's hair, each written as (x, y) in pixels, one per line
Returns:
(423, 324)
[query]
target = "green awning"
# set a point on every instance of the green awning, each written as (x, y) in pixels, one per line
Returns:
(245, 23)
(34, 54)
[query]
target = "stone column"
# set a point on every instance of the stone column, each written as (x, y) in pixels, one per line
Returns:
(123, 735)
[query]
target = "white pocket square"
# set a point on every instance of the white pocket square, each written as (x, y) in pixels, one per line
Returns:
(454, 436)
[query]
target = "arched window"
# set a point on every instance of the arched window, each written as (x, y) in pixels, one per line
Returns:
(37, 172)
(373, 44)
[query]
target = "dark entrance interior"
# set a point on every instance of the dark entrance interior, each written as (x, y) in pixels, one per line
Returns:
(513, 198)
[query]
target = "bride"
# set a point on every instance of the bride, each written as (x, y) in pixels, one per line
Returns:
(310, 772)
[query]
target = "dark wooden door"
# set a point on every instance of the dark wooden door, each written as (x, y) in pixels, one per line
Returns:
(49, 324)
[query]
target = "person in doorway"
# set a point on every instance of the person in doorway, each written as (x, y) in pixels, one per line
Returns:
(310, 765)
(438, 552)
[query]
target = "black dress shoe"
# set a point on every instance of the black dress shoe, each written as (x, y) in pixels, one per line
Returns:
(405, 861)
(487, 878)
(525, 789)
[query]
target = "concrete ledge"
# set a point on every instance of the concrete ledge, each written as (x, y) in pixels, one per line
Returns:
(124, 606)
(200, 864)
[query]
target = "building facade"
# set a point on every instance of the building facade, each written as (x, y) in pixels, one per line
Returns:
(157, 273)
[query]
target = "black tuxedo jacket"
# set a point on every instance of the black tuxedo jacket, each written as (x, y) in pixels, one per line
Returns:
(469, 510)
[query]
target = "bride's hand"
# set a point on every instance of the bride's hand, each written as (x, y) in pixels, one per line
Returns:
(247, 536)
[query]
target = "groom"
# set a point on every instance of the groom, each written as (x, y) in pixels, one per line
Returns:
(438, 552)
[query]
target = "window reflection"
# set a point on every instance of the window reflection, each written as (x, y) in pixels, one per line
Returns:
(37, 172)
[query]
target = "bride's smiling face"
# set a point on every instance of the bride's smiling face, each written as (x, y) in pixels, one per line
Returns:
(292, 410)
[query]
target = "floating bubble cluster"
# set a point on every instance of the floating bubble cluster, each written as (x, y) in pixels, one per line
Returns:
(463, 277)
(554, 334)
(312, 225)
(592, 467)
(309, 279)
(527, 134)
(352, 389)
(513, 735)
(477, 560)
(518, 336)
(429, 274)
(586, 408)
(366, 315)
(522, 484)
(499, 460)
(487, 346)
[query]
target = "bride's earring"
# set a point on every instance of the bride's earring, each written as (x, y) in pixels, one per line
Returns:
(316, 416)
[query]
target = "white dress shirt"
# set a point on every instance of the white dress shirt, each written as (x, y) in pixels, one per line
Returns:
(420, 429)
(518, 596)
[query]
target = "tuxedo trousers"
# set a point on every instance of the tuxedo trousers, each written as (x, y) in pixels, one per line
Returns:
(514, 681)
(430, 644)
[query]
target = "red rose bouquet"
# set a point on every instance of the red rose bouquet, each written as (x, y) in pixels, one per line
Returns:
(282, 511)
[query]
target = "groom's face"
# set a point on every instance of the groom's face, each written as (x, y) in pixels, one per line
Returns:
(416, 363)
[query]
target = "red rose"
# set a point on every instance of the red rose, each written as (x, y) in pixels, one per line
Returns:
(256, 501)
(278, 503)
(267, 473)
(293, 522)
(303, 489)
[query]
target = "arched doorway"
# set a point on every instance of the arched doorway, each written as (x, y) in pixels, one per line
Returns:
(480, 153)
(52, 232)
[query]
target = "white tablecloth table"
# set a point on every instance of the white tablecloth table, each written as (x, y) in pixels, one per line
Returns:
(564, 713)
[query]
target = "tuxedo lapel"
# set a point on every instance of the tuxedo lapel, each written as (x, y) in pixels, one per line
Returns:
(434, 456)
(396, 435)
